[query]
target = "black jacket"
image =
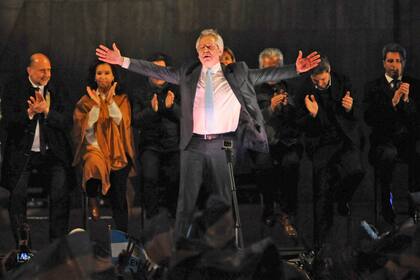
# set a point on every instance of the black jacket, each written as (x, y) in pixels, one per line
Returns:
(158, 130)
(388, 124)
(20, 130)
(281, 123)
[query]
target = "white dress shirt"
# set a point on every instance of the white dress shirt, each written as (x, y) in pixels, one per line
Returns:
(36, 145)
(226, 107)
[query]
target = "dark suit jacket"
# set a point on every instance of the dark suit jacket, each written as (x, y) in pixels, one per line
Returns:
(389, 124)
(159, 130)
(348, 124)
(250, 133)
(281, 123)
(348, 164)
(20, 129)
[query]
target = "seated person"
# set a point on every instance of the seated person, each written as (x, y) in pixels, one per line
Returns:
(392, 111)
(103, 141)
(156, 114)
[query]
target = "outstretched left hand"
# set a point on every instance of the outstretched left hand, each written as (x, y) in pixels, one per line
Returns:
(304, 64)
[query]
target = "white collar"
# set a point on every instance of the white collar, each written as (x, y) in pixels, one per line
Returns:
(389, 78)
(214, 69)
(41, 88)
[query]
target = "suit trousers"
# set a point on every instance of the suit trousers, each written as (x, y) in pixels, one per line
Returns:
(54, 174)
(323, 161)
(203, 164)
(160, 180)
(384, 158)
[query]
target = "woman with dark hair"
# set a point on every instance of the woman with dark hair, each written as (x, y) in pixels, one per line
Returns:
(227, 57)
(103, 140)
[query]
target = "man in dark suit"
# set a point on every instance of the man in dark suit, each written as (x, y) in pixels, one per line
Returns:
(279, 183)
(217, 103)
(156, 114)
(392, 111)
(36, 119)
(332, 140)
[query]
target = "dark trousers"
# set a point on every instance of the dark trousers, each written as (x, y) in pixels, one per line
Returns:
(384, 158)
(284, 178)
(54, 174)
(324, 159)
(203, 163)
(160, 180)
(116, 194)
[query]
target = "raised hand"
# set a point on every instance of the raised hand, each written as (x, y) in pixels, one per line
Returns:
(93, 95)
(111, 92)
(169, 100)
(347, 102)
(304, 64)
(277, 100)
(405, 91)
(154, 103)
(37, 104)
(111, 56)
(311, 105)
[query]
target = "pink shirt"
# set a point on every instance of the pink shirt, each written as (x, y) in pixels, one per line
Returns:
(226, 107)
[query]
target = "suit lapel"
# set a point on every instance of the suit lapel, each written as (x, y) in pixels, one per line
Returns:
(192, 82)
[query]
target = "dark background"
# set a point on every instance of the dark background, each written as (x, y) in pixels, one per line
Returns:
(351, 33)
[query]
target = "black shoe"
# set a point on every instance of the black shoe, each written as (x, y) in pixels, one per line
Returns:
(343, 208)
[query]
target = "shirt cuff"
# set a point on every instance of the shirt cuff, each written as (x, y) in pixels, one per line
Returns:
(93, 116)
(115, 112)
(126, 62)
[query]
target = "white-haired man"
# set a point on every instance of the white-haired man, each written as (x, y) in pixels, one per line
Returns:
(217, 103)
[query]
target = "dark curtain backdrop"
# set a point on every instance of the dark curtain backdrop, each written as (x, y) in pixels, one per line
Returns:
(350, 33)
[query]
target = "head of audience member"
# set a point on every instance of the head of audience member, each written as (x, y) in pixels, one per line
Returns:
(102, 75)
(209, 46)
(394, 58)
(228, 57)
(39, 69)
(159, 59)
(321, 75)
(270, 57)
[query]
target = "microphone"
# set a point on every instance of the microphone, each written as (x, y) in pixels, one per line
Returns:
(396, 82)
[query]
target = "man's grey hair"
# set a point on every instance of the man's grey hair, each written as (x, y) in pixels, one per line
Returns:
(216, 36)
(270, 52)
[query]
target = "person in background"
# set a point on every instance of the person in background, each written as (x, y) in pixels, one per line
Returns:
(227, 57)
(36, 117)
(278, 178)
(392, 111)
(156, 114)
(326, 113)
(104, 142)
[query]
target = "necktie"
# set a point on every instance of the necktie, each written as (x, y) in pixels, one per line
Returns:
(209, 112)
(42, 140)
(395, 84)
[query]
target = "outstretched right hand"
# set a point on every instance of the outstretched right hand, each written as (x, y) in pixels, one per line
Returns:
(311, 105)
(109, 56)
